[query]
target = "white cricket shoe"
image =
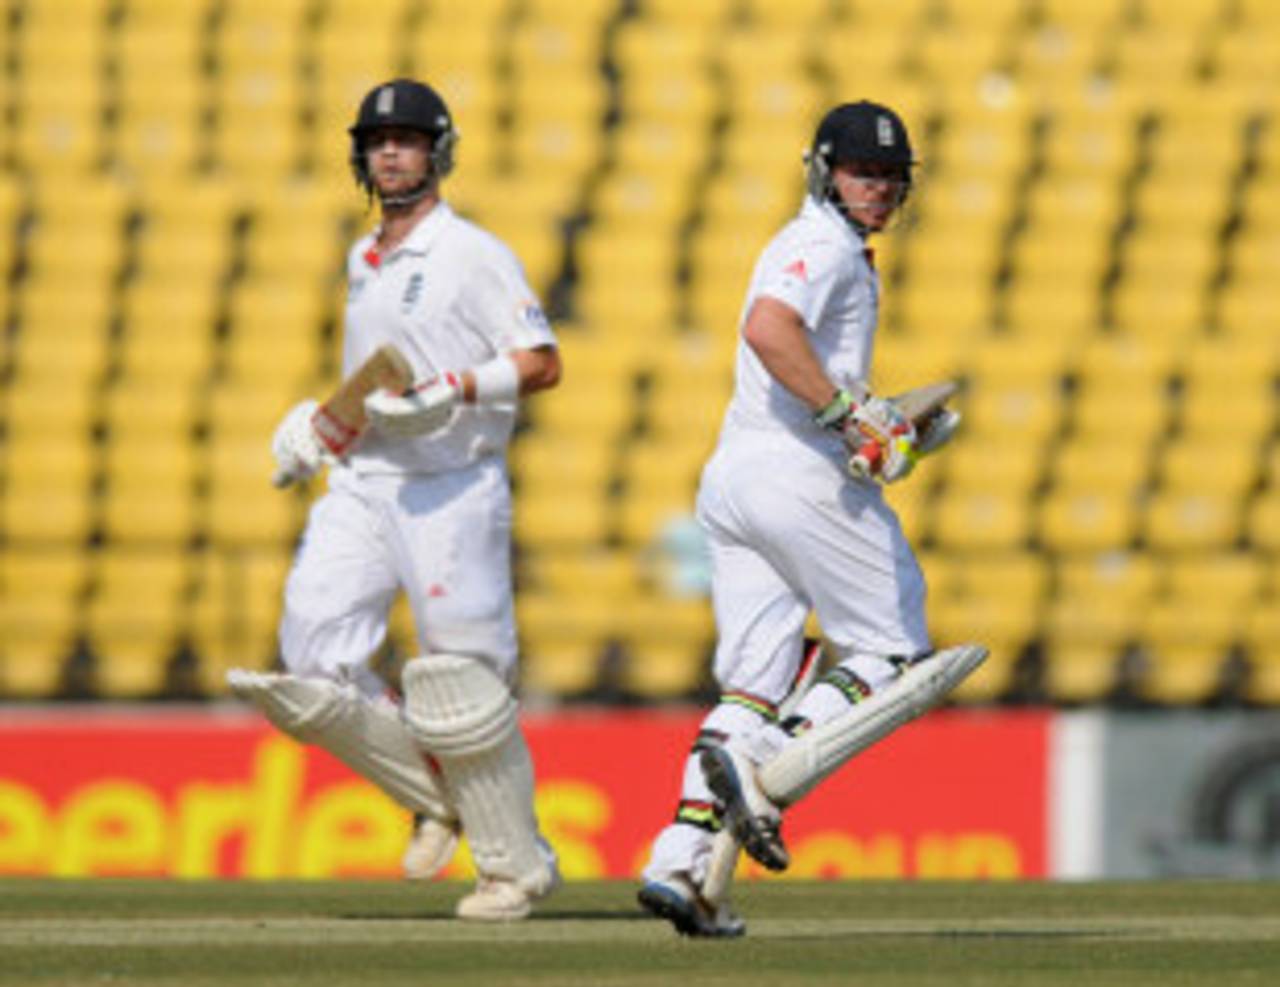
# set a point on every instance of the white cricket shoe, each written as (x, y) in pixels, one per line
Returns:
(502, 900)
(430, 848)
(495, 901)
(674, 899)
(754, 821)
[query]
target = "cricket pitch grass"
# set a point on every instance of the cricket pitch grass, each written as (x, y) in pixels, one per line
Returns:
(368, 933)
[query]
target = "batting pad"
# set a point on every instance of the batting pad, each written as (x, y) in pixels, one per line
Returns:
(368, 738)
(814, 755)
(461, 712)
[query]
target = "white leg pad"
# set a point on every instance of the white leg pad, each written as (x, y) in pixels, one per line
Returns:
(367, 737)
(461, 712)
(812, 756)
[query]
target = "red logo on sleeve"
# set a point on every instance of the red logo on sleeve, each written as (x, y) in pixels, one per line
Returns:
(797, 269)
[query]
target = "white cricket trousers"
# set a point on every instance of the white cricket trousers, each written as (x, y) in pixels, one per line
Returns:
(444, 538)
(790, 531)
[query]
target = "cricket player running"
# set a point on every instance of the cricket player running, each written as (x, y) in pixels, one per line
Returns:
(421, 502)
(792, 506)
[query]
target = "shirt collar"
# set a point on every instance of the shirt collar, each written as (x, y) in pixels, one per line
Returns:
(826, 212)
(420, 238)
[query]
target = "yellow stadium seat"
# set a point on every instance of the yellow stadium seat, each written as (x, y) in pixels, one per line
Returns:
(1160, 249)
(1102, 463)
(1135, 411)
(559, 668)
(637, 200)
(608, 571)
(593, 406)
(250, 408)
(157, 408)
(543, 461)
(239, 472)
(1083, 519)
(1180, 671)
(1203, 462)
(1261, 628)
(235, 611)
(157, 128)
(976, 463)
(643, 518)
(134, 620)
(667, 641)
(40, 609)
(960, 306)
(982, 519)
(654, 141)
(1244, 409)
(1030, 409)
(151, 497)
(1153, 308)
(563, 638)
(34, 513)
(665, 464)
(1188, 633)
(996, 600)
(1263, 520)
(563, 519)
(664, 671)
(1192, 518)
(687, 15)
(1080, 672)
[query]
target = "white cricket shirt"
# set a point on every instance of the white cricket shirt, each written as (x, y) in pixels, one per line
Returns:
(449, 296)
(819, 266)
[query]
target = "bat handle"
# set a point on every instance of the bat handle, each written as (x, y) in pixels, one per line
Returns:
(282, 478)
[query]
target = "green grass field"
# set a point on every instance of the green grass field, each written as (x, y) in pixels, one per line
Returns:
(366, 933)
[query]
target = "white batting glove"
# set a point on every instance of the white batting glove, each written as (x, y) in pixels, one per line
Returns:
(297, 449)
(881, 441)
(427, 408)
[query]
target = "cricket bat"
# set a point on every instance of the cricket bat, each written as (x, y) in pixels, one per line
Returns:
(922, 403)
(341, 419)
(724, 848)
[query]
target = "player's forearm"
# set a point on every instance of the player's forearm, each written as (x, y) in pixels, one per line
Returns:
(778, 337)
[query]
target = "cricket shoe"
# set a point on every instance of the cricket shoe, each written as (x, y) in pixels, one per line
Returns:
(430, 848)
(674, 899)
(504, 900)
(754, 821)
(495, 901)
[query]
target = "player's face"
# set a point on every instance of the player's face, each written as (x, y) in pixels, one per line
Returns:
(870, 190)
(399, 159)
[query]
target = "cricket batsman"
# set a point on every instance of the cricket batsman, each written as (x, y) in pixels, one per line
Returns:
(792, 505)
(420, 500)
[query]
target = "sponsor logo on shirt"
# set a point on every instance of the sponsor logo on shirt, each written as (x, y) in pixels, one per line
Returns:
(532, 315)
(796, 269)
(412, 291)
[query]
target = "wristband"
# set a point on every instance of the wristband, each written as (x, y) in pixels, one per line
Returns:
(497, 381)
(835, 411)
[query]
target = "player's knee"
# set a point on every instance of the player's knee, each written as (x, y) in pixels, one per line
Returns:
(457, 705)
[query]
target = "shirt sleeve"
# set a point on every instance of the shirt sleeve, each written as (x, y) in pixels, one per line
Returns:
(803, 277)
(502, 306)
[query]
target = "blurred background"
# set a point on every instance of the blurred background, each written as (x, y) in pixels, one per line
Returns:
(1090, 246)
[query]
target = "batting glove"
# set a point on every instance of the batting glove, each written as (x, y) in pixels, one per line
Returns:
(881, 440)
(296, 447)
(426, 408)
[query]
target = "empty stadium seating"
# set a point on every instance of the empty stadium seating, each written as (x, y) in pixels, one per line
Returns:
(1091, 245)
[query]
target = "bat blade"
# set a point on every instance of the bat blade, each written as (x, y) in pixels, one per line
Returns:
(386, 369)
(341, 419)
(921, 402)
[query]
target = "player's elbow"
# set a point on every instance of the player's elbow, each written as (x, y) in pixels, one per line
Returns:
(542, 370)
